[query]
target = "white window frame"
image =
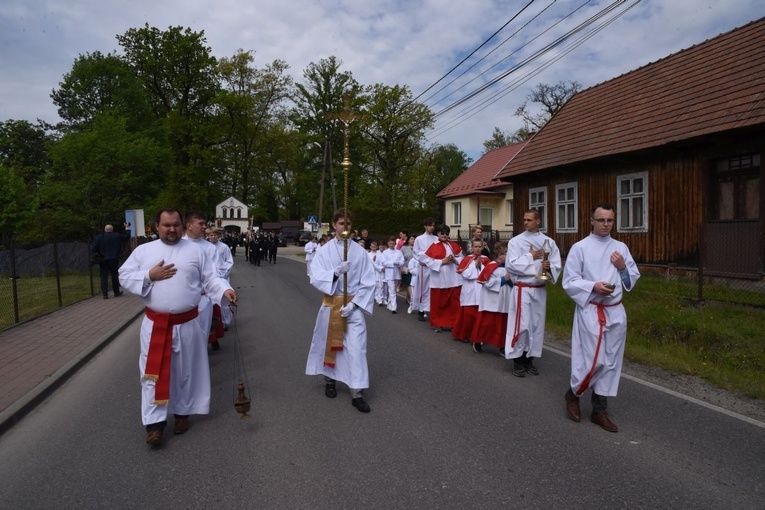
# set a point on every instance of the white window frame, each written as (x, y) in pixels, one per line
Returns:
(491, 213)
(457, 213)
(560, 219)
(630, 198)
(540, 205)
(510, 204)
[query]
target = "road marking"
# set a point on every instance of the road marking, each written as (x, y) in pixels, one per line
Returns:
(732, 414)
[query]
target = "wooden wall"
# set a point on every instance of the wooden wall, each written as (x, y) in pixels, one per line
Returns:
(678, 180)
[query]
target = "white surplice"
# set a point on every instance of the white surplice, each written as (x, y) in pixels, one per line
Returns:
(351, 362)
(190, 370)
(224, 263)
(524, 269)
(588, 262)
(421, 288)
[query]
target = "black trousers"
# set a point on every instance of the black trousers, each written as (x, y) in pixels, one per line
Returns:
(107, 268)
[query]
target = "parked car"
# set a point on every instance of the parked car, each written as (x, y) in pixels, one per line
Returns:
(303, 239)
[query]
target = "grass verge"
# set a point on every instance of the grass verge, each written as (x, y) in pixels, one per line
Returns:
(39, 295)
(721, 343)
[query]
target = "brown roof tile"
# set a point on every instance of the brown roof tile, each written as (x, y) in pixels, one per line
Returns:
(715, 86)
(482, 175)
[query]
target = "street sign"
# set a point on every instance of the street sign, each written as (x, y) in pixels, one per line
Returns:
(312, 220)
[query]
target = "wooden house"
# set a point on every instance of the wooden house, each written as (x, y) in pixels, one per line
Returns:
(675, 146)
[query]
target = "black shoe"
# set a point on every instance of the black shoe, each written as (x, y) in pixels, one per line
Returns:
(393, 311)
(518, 370)
(330, 390)
(215, 346)
(225, 327)
(118, 294)
(361, 404)
(106, 297)
(438, 330)
(502, 352)
(530, 368)
(478, 347)
(421, 317)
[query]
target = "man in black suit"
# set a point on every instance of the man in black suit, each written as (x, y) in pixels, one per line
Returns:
(109, 245)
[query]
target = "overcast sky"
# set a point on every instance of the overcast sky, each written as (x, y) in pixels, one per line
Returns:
(394, 42)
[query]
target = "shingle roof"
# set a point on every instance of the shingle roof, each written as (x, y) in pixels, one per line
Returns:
(482, 175)
(715, 86)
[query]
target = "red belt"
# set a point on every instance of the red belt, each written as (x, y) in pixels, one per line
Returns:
(160, 350)
(517, 330)
(602, 321)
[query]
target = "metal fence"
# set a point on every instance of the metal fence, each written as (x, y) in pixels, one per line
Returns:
(36, 281)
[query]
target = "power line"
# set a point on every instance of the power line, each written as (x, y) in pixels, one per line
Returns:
(467, 113)
(529, 42)
(485, 57)
(475, 50)
(531, 58)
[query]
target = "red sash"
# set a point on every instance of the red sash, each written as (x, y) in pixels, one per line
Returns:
(160, 350)
(517, 329)
(602, 321)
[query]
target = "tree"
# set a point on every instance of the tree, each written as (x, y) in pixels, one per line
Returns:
(438, 166)
(393, 129)
(551, 98)
(253, 101)
(24, 164)
(98, 83)
(319, 95)
(501, 139)
(97, 174)
(181, 76)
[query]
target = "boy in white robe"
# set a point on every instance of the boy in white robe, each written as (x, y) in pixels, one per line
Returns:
(528, 300)
(225, 264)
(392, 260)
(598, 270)
(171, 274)
(310, 249)
(421, 291)
(341, 354)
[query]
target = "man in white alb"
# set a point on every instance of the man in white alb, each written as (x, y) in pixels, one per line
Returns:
(528, 300)
(171, 274)
(598, 271)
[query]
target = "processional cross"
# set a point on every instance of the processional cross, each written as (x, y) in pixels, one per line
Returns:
(347, 117)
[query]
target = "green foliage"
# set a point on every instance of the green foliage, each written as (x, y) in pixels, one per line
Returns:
(99, 83)
(98, 173)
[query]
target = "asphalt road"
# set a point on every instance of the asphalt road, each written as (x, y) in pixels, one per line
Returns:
(448, 429)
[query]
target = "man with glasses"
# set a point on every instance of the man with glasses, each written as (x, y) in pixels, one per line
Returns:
(598, 270)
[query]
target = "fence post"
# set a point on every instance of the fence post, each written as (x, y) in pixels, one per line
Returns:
(700, 272)
(90, 268)
(58, 274)
(13, 282)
